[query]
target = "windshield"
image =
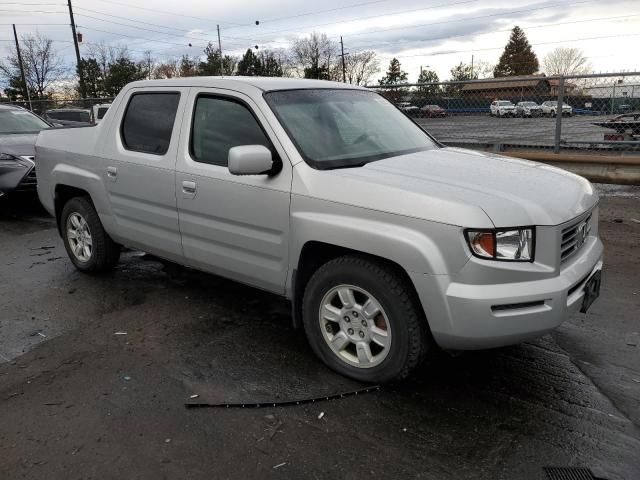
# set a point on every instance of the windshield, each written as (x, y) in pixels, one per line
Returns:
(505, 104)
(335, 128)
(101, 112)
(528, 104)
(71, 116)
(20, 121)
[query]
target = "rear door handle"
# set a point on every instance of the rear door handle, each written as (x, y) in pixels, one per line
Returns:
(112, 173)
(188, 189)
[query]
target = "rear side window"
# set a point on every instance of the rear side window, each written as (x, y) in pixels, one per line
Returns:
(220, 124)
(148, 122)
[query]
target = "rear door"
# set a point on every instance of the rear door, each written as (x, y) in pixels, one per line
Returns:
(139, 169)
(235, 226)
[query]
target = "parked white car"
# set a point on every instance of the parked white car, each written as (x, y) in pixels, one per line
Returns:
(550, 108)
(528, 109)
(503, 108)
(386, 242)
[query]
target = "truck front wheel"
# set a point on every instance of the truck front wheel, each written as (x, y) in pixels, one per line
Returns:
(363, 320)
(89, 247)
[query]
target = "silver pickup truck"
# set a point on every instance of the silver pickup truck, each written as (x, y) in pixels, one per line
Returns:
(387, 243)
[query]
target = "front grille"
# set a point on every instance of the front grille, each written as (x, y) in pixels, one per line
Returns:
(30, 181)
(574, 236)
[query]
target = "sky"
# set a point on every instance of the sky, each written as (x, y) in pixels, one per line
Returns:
(434, 34)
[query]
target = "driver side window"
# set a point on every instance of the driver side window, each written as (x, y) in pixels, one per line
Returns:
(219, 124)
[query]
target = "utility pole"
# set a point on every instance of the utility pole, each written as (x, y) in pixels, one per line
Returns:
(344, 68)
(75, 43)
(471, 67)
(220, 50)
(24, 80)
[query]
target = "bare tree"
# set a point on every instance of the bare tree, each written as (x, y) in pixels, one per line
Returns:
(108, 54)
(483, 69)
(148, 64)
(315, 57)
(361, 66)
(168, 69)
(566, 61)
(43, 68)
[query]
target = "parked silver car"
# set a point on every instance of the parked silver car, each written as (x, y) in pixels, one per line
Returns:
(387, 243)
(528, 109)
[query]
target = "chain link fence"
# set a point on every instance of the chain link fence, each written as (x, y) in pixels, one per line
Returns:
(599, 112)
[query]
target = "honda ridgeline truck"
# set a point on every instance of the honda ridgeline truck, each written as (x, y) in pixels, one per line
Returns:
(387, 243)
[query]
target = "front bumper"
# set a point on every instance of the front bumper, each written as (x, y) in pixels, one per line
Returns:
(20, 177)
(469, 317)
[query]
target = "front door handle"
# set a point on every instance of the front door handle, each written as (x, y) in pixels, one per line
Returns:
(188, 189)
(112, 173)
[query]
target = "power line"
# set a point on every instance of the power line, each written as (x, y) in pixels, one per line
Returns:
(270, 20)
(155, 10)
(135, 37)
(399, 12)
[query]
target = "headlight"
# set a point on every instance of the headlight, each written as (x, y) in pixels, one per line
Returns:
(512, 245)
(7, 160)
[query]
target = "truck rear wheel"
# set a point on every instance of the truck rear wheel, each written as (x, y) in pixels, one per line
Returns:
(88, 245)
(363, 320)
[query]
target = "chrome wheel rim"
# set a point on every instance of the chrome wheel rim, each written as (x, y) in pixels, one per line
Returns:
(79, 237)
(355, 326)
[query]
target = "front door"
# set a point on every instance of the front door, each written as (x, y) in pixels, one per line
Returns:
(235, 226)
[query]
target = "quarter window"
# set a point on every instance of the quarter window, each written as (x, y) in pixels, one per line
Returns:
(148, 122)
(220, 124)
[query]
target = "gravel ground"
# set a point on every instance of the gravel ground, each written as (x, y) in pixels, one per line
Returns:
(78, 400)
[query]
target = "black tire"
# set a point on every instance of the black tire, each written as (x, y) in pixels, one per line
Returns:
(105, 252)
(410, 339)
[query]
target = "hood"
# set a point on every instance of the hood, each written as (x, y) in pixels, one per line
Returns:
(462, 187)
(18, 144)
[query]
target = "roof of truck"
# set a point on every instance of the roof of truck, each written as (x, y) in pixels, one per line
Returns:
(263, 83)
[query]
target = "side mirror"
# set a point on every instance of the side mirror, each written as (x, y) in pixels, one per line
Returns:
(250, 160)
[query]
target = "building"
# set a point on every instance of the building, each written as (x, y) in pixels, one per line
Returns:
(522, 88)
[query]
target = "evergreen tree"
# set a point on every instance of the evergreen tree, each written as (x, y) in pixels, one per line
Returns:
(428, 76)
(188, 66)
(91, 78)
(462, 72)
(270, 65)
(250, 64)
(211, 64)
(121, 72)
(394, 74)
(518, 57)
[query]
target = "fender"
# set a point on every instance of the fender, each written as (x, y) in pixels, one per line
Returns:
(414, 245)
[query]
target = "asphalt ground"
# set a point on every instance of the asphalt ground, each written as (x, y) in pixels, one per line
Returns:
(96, 370)
(538, 131)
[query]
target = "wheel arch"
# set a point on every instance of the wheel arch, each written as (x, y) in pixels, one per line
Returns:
(316, 253)
(62, 194)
